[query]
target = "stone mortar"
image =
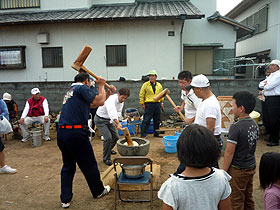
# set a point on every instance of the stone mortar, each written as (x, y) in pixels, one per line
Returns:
(141, 150)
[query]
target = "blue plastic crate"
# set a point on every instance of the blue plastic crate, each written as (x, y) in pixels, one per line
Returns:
(131, 128)
(150, 128)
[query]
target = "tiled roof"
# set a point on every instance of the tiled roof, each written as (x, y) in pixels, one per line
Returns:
(142, 9)
(240, 8)
(216, 16)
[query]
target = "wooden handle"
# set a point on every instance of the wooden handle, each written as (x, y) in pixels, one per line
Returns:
(161, 94)
(92, 74)
(127, 136)
(174, 105)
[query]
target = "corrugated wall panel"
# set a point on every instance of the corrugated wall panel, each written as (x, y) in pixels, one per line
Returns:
(16, 4)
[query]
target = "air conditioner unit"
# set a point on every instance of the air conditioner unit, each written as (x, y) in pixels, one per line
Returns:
(43, 38)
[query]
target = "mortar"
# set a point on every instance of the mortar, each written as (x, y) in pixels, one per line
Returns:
(141, 150)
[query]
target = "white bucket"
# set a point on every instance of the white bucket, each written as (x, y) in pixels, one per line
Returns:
(36, 138)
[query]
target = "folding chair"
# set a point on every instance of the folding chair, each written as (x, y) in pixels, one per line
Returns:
(122, 179)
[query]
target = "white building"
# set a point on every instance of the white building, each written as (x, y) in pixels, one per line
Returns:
(264, 43)
(40, 40)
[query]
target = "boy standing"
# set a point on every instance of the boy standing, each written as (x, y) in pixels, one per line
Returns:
(239, 157)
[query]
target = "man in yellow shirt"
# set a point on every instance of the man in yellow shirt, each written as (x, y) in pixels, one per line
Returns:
(151, 108)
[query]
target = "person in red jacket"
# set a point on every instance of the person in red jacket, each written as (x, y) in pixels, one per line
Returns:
(36, 110)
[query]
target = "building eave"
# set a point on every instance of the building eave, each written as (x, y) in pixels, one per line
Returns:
(142, 10)
(240, 8)
(217, 17)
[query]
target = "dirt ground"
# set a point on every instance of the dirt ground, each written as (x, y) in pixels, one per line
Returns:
(37, 183)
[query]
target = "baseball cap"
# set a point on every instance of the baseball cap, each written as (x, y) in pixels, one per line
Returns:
(34, 91)
(200, 81)
(152, 72)
(276, 62)
(7, 97)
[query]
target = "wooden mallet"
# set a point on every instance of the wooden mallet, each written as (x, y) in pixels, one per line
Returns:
(127, 136)
(78, 64)
(164, 93)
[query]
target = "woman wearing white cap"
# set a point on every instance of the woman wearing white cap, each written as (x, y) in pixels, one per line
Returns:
(36, 109)
(13, 113)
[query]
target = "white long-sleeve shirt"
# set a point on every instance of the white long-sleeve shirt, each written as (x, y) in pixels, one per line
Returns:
(271, 85)
(112, 108)
(26, 108)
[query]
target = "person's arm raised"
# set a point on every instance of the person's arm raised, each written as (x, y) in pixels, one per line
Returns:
(101, 96)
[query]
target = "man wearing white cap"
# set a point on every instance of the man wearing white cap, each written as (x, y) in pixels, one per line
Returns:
(208, 113)
(271, 91)
(36, 109)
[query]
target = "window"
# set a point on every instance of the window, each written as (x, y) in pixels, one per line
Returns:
(12, 57)
(257, 20)
(52, 57)
(19, 4)
(116, 55)
(221, 64)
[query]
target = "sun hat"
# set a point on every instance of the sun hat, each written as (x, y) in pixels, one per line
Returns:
(276, 62)
(7, 97)
(152, 72)
(34, 91)
(200, 81)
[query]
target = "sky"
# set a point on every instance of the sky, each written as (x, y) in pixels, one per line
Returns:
(224, 6)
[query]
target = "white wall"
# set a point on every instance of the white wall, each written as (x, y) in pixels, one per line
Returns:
(202, 31)
(266, 40)
(63, 4)
(148, 47)
(76, 4)
(111, 1)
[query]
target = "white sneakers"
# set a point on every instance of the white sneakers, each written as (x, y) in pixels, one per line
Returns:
(105, 191)
(25, 139)
(46, 138)
(7, 170)
(65, 205)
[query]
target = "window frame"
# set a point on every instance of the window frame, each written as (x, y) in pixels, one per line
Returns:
(117, 58)
(252, 22)
(52, 66)
(21, 65)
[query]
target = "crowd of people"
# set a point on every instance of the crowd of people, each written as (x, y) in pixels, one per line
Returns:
(199, 182)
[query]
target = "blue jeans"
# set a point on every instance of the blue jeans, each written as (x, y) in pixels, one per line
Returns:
(76, 148)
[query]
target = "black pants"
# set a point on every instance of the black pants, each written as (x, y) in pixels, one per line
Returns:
(272, 111)
(152, 110)
(76, 148)
(264, 117)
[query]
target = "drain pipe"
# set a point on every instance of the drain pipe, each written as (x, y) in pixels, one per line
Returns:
(183, 18)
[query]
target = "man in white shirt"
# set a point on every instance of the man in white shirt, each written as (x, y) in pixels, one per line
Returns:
(271, 91)
(107, 122)
(190, 101)
(36, 109)
(208, 113)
